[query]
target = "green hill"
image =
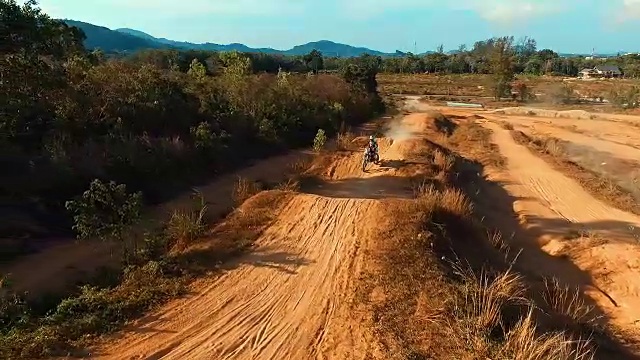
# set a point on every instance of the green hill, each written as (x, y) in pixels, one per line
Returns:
(112, 41)
(131, 40)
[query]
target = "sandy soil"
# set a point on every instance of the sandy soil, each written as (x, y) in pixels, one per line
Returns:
(616, 128)
(290, 298)
(620, 144)
(559, 210)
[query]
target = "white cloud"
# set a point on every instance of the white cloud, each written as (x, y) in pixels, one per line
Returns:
(218, 7)
(510, 12)
(505, 12)
(181, 8)
(630, 10)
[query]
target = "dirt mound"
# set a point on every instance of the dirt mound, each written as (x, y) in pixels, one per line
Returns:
(570, 114)
(289, 298)
(584, 242)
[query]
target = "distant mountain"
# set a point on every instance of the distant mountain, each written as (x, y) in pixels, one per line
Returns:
(192, 46)
(131, 40)
(112, 41)
(330, 48)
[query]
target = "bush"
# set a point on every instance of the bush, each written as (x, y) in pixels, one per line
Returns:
(244, 189)
(105, 211)
(157, 122)
(185, 226)
(319, 141)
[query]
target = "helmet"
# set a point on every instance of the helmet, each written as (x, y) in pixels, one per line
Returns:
(371, 137)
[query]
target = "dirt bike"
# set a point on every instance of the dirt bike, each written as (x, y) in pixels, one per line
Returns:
(369, 156)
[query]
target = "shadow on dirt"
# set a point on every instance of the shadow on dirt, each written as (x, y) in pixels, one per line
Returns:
(445, 125)
(212, 258)
(210, 262)
(375, 187)
(493, 205)
(266, 257)
(396, 164)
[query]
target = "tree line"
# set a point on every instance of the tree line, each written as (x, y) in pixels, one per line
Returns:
(157, 121)
(524, 55)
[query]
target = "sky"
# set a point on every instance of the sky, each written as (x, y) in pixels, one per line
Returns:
(567, 26)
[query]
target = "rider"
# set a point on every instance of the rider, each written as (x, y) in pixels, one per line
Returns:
(373, 145)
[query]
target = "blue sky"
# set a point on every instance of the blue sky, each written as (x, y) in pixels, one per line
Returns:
(386, 25)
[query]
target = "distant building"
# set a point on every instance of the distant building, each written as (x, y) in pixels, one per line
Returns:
(600, 72)
(588, 74)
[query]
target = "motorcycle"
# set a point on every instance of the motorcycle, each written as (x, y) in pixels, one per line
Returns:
(369, 156)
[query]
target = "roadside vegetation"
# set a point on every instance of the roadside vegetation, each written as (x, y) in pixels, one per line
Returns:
(88, 142)
(72, 116)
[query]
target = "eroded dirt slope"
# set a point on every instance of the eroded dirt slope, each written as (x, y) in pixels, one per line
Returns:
(288, 299)
(574, 227)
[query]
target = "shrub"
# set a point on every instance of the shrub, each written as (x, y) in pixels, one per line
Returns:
(244, 189)
(105, 211)
(319, 141)
(185, 226)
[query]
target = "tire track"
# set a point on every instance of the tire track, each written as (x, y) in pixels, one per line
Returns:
(290, 298)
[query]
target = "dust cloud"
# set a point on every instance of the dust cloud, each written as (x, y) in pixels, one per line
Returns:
(398, 131)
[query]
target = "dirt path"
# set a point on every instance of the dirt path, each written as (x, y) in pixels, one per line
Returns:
(62, 264)
(613, 143)
(559, 210)
(290, 298)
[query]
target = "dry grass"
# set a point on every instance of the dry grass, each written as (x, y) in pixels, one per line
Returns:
(444, 161)
(475, 142)
(299, 166)
(244, 189)
(485, 295)
(344, 141)
(428, 84)
(522, 343)
(605, 189)
(426, 294)
(567, 301)
(506, 125)
(185, 226)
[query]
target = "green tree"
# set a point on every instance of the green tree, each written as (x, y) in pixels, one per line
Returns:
(314, 61)
(236, 64)
(501, 64)
(28, 31)
(106, 211)
(197, 70)
(319, 141)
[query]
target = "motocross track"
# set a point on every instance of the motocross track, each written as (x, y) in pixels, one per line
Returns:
(289, 298)
(570, 234)
(615, 139)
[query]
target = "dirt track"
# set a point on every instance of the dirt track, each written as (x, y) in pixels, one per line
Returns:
(289, 299)
(619, 144)
(573, 227)
(563, 230)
